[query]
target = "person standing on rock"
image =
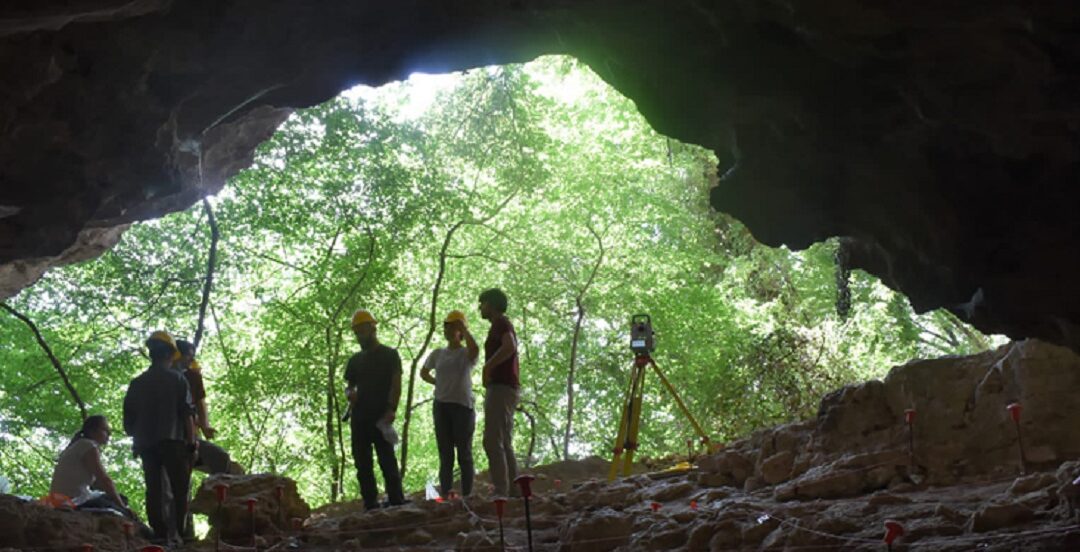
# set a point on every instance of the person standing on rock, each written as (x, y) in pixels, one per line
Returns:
(159, 416)
(455, 419)
(500, 377)
(373, 387)
(212, 458)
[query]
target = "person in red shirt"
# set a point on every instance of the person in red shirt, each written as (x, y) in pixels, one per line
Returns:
(501, 384)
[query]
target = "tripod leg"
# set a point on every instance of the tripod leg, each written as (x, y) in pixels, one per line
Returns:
(634, 420)
(624, 424)
(620, 441)
(678, 401)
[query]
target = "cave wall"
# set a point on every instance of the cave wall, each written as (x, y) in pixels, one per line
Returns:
(939, 138)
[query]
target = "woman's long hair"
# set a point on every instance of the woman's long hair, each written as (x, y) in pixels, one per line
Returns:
(89, 424)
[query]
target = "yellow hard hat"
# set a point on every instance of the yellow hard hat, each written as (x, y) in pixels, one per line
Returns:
(362, 317)
(455, 316)
(164, 337)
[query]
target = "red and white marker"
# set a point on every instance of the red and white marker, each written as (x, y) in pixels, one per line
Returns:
(893, 530)
(1015, 409)
(525, 482)
(221, 492)
(500, 505)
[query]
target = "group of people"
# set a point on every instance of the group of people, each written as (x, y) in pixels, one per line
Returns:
(373, 387)
(165, 414)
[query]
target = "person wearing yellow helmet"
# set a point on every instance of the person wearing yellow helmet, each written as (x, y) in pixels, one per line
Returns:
(212, 458)
(453, 412)
(373, 387)
(159, 416)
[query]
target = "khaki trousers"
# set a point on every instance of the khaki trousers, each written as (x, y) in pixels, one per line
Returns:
(500, 402)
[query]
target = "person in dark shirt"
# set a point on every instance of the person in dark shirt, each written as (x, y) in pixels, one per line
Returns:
(373, 386)
(159, 416)
(500, 378)
(212, 458)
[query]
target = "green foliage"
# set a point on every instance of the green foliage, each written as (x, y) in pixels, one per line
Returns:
(539, 179)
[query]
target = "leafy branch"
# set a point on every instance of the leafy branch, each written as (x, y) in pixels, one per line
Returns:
(52, 357)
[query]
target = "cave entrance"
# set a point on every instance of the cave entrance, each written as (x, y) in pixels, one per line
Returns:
(535, 178)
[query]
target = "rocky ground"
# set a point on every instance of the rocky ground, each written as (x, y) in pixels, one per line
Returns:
(824, 484)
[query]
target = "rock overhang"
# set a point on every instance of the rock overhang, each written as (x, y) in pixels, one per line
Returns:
(939, 141)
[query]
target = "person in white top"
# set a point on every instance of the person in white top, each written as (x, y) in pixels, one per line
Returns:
(79, 474)
(455, 419)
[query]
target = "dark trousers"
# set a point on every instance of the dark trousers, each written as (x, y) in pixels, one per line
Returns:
(454, 426)
(167, 461)
(104, 501)
(212, 458)
(365, 436)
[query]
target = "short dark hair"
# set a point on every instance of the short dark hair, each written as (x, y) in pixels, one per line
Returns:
(496, 298)
(159, 350)
(185, 347)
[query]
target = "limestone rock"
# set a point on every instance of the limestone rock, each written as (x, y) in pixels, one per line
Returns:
(885, 498)
(597, 494)
(604, 529)
(824, 483)
(732, 465)
(664, 536)
(669, 491)
(757, 530)
(777, 468)
(1033, 482)
(998, 516)
(724, 535)
(271, 514)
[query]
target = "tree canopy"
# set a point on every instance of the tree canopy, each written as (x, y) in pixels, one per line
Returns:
(408, 200)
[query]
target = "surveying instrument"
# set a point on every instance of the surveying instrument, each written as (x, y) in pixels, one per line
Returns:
(642, 344)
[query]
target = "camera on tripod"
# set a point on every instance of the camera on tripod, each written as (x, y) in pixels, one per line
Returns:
(641, 334)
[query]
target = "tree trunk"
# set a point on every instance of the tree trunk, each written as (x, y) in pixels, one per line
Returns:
(423, 348)
(335, 440)
(331, 447)
(52, 358)
(431, 323)
(574, 344)
(570, 379)
(532, 435)
(208, 283)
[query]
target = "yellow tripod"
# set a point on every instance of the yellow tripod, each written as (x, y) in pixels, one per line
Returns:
(626, 442)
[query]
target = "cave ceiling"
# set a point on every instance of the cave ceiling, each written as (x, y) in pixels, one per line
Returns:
(938, 138)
